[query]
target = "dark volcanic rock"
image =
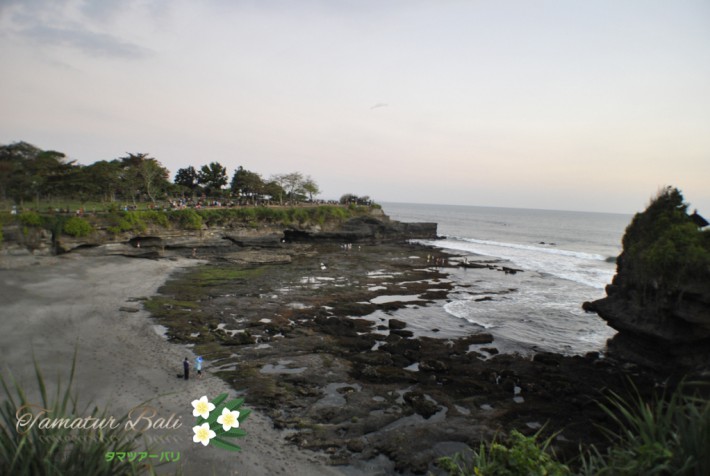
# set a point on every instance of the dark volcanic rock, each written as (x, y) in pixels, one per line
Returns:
(367, 229)
(402, 332)
(354, 394)
(397, 324)
(433, 365)
(659, 300)
(421, 404)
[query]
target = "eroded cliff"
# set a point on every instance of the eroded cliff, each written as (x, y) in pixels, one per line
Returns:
(151, 233)
(659, 300)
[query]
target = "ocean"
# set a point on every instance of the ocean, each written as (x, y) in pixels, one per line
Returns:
(565, 258)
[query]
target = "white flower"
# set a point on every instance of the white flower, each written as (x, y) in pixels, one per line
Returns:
(203, 434)
(202, 407)
(228, 419)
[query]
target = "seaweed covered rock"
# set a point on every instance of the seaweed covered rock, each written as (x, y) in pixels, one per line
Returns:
(659, 300)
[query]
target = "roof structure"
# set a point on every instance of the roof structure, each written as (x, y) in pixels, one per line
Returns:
(698, 220)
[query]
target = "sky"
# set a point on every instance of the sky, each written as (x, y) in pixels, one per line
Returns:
(568, 105)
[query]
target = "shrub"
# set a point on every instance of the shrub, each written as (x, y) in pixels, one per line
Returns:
(669, 435)
(328, 212)
(187, 219)
(298, 215)
(123, 221)
(77, 227)
(272, 215)
(522, 455)
(155, 217)
(30, 218)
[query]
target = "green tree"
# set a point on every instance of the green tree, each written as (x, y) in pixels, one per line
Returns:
(154, 176)
(144, 175)
(350, 198)
(102, 179)
(310, 187)
(663, 248)
(292, 183)
(30, 172)
(274, 190)
(213, 177)
(247, 184)
(7, 168)
(187, 178)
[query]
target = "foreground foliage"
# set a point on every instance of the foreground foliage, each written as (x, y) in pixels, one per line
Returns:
(668, 436)
(60, 451)
(521, 455)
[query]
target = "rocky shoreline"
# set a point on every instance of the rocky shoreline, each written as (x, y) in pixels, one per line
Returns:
(332, 342)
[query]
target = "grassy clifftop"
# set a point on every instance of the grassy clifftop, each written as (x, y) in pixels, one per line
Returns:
(139, 221)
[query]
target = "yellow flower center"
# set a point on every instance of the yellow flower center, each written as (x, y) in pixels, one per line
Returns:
(229, 419)
(202, 407)
(203, 434)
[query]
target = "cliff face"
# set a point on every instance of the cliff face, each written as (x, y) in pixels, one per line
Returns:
(659, 300)
(153, 239)
(366, 229)
(657, 328)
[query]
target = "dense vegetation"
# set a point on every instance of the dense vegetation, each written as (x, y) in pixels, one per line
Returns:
(32, 175)
(664, 249)
(117, 221)
(669, 435)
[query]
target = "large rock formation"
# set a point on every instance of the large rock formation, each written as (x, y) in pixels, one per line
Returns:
(659, 300)
(366, 229)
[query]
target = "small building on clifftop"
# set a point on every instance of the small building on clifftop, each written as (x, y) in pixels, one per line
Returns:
(698, 220)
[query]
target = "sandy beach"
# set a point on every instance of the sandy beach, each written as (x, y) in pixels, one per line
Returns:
(91, 304)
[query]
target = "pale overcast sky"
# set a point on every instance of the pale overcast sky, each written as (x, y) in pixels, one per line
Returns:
(575, 105)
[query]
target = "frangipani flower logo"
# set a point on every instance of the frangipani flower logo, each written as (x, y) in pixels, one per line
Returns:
(228, 419)
(202, 407)
(217, 420)
(203, 434)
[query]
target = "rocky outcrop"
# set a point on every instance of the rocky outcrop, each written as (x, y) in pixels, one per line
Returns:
(657, 328)
(366, 229)
(659, 300)
(20, 240)
(154, 240)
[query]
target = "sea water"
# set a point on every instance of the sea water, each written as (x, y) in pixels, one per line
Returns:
(565, 258)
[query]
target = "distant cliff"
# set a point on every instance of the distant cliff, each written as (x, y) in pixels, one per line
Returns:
(659, 300)
(148, 232)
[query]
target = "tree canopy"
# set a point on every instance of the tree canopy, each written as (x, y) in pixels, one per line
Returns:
(212, 177)
(663, 247)
(30, 174)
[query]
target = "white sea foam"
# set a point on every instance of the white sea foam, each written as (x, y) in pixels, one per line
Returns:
(464, 310)
(550, 249)
(539, 308)
(584, 268)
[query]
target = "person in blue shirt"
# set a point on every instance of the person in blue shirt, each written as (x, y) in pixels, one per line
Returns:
(198, 366)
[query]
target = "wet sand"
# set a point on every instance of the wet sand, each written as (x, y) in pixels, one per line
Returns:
(74, 303)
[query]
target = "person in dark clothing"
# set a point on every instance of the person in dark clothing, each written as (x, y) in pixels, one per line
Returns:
(186, 368)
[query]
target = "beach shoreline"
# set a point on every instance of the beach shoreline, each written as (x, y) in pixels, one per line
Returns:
(340, 351)
(91, 306)
(349, 350)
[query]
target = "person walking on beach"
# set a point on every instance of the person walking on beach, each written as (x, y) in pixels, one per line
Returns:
(186, 368)
(198, 366)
